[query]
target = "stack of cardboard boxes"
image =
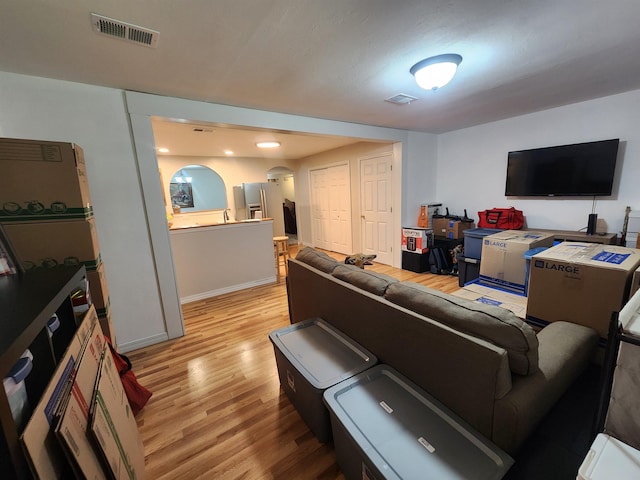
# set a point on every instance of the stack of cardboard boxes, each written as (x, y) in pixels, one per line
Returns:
(451, 228)
(83, 426)
(47, 215)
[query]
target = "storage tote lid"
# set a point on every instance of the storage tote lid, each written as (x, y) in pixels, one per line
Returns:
(321, 353)
(609, 458)
(480, 232)
(406, 432)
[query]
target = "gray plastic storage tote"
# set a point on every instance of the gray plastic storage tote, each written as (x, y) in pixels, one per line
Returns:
(384, 427)
(312, 356)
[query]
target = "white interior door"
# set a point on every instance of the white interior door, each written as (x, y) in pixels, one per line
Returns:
(340, 209)
(376, 208)
(320, 219)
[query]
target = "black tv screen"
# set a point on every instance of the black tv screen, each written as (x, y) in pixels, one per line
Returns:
(581, 169)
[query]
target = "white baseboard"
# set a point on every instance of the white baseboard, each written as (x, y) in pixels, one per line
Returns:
(143, 342)
(222, 291)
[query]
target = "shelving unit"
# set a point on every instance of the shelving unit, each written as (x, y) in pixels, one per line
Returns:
(27, 302)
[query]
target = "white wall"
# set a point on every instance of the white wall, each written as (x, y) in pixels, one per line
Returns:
(419, 176)
(472, 163)
(95, 118)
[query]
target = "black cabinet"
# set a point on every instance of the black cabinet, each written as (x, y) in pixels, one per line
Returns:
(27, 302)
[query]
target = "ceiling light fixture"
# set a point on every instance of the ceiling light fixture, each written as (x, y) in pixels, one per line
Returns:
(268, 144)
(163, 150)
(435, 72)
(228, 152)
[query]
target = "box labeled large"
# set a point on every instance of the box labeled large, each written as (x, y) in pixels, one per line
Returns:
(311, 357)
(583, 283)
(503, 263)
(42, 180)
(450, 228)
(417, 239)
(385, 427)
(473, 238)
(49, 244)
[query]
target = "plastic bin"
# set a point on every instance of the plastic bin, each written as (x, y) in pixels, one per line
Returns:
(384, 427)
(527, 256)
(473, 240)
(609, 458)
(468, 269)
(53, 324)
(312, 356)
(16, 390)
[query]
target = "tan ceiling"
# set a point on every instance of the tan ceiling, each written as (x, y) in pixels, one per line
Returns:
(339, 59)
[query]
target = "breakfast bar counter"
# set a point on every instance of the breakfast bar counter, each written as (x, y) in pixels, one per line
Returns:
(211, 260)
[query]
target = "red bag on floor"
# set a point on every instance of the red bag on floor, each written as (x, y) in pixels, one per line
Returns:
(502, 218)
(137, 395)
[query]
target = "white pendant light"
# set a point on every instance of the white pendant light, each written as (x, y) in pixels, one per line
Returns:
(435, 72)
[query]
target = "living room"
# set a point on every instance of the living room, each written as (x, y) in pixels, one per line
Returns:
(463, 168)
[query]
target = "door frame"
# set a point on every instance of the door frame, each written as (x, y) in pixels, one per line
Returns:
(394, 228)
(140, 107)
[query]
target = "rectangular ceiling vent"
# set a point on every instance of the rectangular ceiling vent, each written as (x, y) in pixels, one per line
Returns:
(125, 31)
(401, 99)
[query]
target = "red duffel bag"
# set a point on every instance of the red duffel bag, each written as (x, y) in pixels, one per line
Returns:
(502, 218)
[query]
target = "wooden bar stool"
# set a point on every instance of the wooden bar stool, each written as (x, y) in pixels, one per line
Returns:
(281, 249)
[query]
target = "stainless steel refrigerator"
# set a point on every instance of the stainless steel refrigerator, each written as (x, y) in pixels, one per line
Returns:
(263, 197)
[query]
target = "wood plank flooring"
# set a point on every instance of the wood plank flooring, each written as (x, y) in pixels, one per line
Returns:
(217, 410)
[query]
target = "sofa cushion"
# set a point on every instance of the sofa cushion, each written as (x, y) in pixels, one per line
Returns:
(317, 259)
(372, 282)
(491, 323)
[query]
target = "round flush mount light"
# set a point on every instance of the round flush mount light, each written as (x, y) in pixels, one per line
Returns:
(268, 144)
(435, 72)
(163, 150)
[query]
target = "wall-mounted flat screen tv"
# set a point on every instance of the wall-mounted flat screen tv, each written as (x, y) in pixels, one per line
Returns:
(581, 169)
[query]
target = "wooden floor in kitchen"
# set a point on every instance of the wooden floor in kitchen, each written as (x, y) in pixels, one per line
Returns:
(217, 410)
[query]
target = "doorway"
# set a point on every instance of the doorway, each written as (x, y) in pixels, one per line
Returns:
(376, 207)
(143, 107)
(330, 194)
(283, 176)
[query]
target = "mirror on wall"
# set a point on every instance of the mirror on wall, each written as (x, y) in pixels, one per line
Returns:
(195, 188)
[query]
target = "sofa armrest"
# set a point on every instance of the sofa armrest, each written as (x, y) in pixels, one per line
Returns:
(565, 350)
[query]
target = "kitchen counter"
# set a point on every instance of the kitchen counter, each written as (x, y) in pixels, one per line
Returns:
(217, 224)
(211, 260)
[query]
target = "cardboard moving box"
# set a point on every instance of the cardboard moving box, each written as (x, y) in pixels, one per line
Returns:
(417, 239)
(503, 263)
(449, 228)
(49, 244)
(42, 180)
(113, 425)
(583, 283)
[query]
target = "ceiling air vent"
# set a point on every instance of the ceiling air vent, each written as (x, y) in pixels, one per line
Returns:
(125, 31)
(401, 99)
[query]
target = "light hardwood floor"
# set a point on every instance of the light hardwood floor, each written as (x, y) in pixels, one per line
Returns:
(217, 410)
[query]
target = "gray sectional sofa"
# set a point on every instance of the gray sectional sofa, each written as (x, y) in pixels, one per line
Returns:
(481, 361)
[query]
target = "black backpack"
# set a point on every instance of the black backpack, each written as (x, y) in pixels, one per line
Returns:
(440, 261)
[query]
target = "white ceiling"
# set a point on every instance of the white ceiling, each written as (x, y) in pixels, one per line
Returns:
(339, 59)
